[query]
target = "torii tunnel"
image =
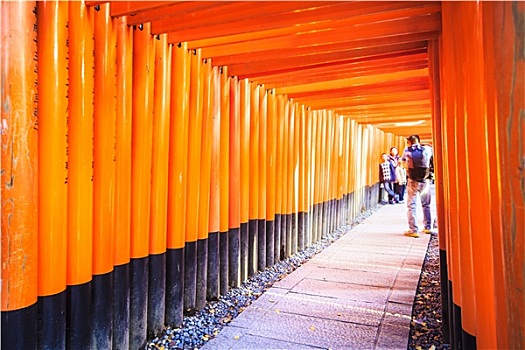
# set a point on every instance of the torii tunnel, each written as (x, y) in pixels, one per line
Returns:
(157, 153)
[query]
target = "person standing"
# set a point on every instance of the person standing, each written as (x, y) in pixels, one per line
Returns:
(387, 177)
(401, 180)
(418, 159)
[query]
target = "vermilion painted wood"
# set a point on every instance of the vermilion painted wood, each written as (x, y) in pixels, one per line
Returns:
(318, 17)
(19, 198)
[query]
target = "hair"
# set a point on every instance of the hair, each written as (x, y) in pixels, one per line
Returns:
(413, 138)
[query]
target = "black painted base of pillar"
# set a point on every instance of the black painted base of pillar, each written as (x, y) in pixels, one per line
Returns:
(174, 287)
(277, 239)
(261, 244)
(252, 246)
(78, 326)
(138, 315)
(202, 273)
(156, 294)
(12, 324)
(270, 242)
(102, 297)
(121, 300)
(244, 251)
(234, 246)
(212, 286)
(190, 277)
(223, 264)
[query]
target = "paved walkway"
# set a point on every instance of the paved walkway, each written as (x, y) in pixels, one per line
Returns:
(356, 294)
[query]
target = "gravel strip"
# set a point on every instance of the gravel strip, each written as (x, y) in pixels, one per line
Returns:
(425, 327)
(196, 330)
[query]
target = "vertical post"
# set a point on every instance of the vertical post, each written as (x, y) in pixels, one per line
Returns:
(19, 180)
(122, 238)
(141, 176)
(156, 304)
(177, 179)
(204, 192)
(244, 174)
(254, 180)
(80, 174)
(193, 159)
(271, 144)
(224, 179)
(214, 223)
(261, 230)
(234, 202)
(52, 179)
(279, 168)
(104, 105)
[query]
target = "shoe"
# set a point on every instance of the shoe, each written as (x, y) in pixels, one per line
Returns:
(392, 202)
(401, 202)
(411, 233)
(427, 231)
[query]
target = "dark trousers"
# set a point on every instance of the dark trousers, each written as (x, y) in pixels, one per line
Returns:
(400, 191)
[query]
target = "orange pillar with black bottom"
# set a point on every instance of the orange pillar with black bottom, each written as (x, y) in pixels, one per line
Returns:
(450, 169)
(19, 180)
(103, 177)
(316, 146)
(224, 180)
(212, 286)
(261, 222)
(193, 192)
(80, 174)
(234, 200)
(302, 187)
(433, 51)
(295, 177)
(204, 192)
(286, 215)
(244, 100)
(177, 179)
(159, 182)
(52, 180)
(254, 181)
(279, 168)
(142, 144)
(271, 144)
(122, 237)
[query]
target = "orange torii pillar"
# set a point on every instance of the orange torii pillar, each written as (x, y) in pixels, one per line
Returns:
(80, 173)
(261, 230)
(244, 97)
(103, 177)
(204, 193)
(122, 239)
(254, 180)
(302, 198)
(504, 74)
(52, 179)
(279, 168)
(316, 146)
(307, 149)
(142, 143)
(177, 179)
(295, 172)
(435, 86)
(286, 219)
(212, 287)
(271, 144)
(234, 210)
(193, 160)
(159, 182)
(224, 180)
(20, 179)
